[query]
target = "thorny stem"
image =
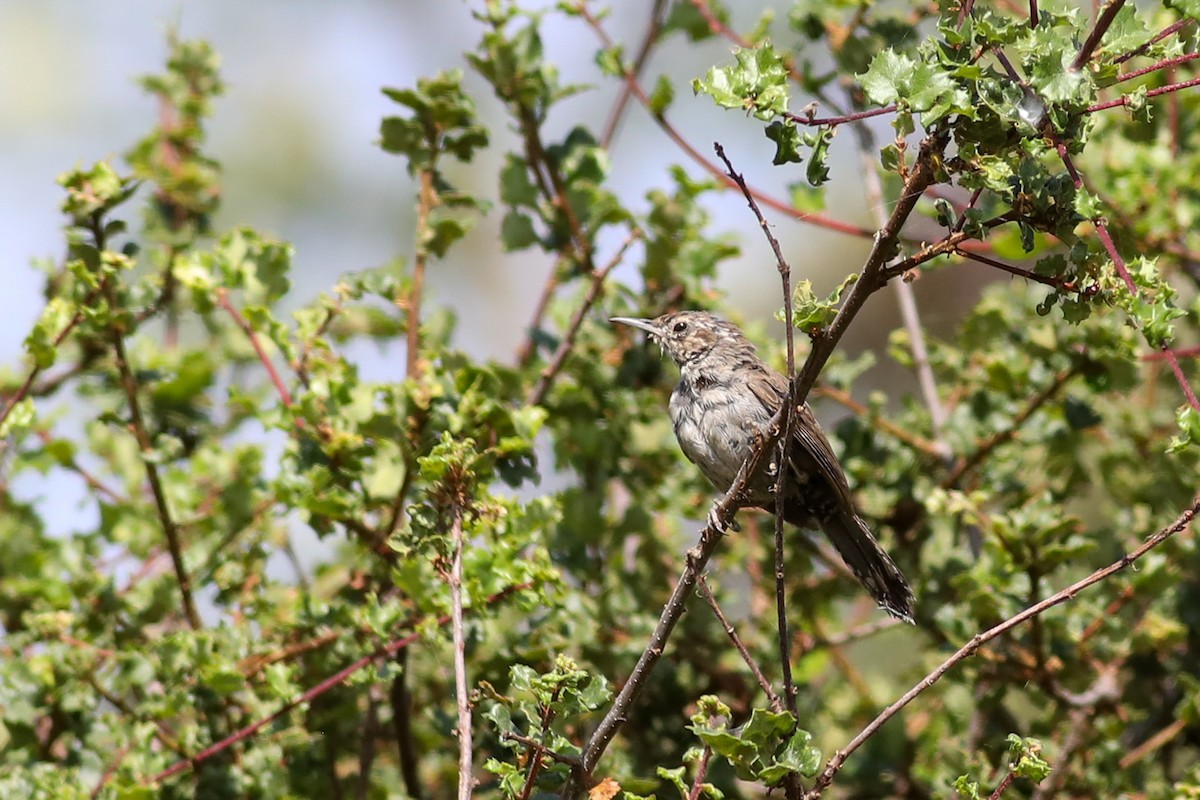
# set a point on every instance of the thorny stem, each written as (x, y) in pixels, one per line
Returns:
(1097, 33)
(839, 759)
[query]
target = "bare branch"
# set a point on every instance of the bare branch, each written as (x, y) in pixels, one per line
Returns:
(568, 341)
(731, 632)
(466, 780)
(1097, 33)
(835, 764)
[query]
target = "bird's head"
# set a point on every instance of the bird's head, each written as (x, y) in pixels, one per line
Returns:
(687, 336)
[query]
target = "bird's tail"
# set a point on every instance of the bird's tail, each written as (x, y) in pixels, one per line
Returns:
(869, 562)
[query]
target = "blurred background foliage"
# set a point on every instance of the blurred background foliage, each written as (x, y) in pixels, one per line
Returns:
(280, 387)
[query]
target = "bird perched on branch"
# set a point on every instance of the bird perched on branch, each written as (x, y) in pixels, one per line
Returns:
(726, 395)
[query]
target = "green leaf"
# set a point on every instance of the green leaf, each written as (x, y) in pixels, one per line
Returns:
(758, 83)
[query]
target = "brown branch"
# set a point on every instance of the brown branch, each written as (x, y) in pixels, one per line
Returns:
(839, 759)
(821, 220)
(701, 774)
(791, 785)
(1003, 786)
(1123, 100)
(281, 389)
(1056, 283)
(1097, 33)
(401, 701)
(146, 446)
(426, 200)
(731, 632)
(1153, 743)
(844, 399)
(538, 394)
(466, 781)
(617, 113)
(985, 448)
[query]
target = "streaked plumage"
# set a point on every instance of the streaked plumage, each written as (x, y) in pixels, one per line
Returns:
(726, 393)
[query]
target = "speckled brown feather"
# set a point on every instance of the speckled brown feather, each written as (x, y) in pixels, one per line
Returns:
(725, 395)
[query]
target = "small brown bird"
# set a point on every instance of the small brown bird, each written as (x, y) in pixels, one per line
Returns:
(725, 395)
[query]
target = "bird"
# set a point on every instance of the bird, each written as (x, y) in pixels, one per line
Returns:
(725, 397)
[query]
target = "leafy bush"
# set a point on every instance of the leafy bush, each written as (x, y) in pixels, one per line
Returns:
(473, 625)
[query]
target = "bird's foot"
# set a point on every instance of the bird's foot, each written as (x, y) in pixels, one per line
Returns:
(715, 520)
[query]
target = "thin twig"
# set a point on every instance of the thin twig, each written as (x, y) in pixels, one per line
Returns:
(541, 749)
(568, 341)
(1124, 100)
(710, 167)
(1123, 270)
(281, 389)
(839, 759)
(617, 113)
(1003, 786)
(905, 297)
(401, 702)
(985, 448)
(731, 632)
(426, 200)
(785, 442)
(1153, 743)
(1174, 27)
(146, 446)
(1057, 283)
(701, 774)
(387, 651)
(466, 780)
(844, 399)
(872, 276)
(1097, 33)
(23, 390)
(1166, 63)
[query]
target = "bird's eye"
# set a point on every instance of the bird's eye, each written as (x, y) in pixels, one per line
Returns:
(680, 327)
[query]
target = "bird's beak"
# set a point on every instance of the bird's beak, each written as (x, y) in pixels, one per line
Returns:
(644, 324)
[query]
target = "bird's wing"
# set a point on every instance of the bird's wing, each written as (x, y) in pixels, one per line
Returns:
(810, 448)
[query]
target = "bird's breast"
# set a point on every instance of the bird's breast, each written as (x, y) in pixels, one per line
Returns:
(715, 422)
